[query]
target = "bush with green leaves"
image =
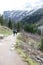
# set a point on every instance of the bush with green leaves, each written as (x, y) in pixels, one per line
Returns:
(30, 28)
(41, 45)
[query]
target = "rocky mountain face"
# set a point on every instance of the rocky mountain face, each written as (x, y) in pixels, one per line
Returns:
(16, 15)
(34, 15)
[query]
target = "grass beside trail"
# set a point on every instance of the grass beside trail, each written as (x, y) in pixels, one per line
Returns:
(20, 39)
(5, 31)
(26, 58)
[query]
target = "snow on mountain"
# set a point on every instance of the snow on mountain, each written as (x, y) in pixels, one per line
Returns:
(18, 15)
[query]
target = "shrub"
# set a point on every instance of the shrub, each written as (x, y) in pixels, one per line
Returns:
(41, 45)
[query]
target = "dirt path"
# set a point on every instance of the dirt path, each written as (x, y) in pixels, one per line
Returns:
(8, 55)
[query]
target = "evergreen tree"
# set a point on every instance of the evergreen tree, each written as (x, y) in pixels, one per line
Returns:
(18, 26)
(1, 20)
(10, 24)
(41, 45)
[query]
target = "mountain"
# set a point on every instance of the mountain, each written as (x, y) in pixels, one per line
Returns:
(15, 15)
(34, 15)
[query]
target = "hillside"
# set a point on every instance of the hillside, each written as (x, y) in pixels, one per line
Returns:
(36, 16)
(5, 31)
(27, 47)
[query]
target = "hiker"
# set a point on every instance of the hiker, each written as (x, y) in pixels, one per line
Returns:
(14, 31)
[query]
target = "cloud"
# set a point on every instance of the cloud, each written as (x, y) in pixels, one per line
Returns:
(19, 4)
(33, 4)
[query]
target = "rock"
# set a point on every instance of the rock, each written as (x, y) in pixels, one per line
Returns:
(1, 36)
(39, 58)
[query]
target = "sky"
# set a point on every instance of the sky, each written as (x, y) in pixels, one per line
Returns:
(19, 4)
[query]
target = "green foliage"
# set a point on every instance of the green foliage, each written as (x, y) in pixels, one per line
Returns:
(1, 20)
(24, 55)
(30, 28)
(10, 24)
(41, 44)
(39, 32)
(18, 26)
(27, 27)
(5, 31)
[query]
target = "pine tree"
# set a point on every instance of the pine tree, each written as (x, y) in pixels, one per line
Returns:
(10, 24)
(18, 26)
(1, 20)
(41, 44)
